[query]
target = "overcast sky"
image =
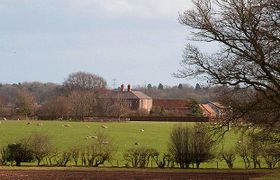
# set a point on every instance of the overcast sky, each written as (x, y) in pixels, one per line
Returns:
(132, 41)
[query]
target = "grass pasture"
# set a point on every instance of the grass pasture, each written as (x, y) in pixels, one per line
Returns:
(123, 134)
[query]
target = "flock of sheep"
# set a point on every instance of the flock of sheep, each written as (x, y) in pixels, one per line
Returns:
(87, 137)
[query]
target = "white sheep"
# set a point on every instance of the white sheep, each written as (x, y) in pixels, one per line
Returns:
(94, 137)
(142, 130)
(4, 119)
(66, 125)
(105, 127)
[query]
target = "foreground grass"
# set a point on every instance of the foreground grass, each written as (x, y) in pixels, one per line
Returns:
(123, 134)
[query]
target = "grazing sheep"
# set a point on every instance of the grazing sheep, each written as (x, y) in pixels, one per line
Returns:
(105, 142)
(105, 127)
(0, 122)
(28, 123)
(94, 137)
(4, 119)
(142, 130)
(66, 125)
(137, 143)
(86, 138)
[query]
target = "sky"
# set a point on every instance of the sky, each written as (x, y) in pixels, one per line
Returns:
(132, 41)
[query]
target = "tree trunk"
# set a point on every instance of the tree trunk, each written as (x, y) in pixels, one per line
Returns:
(18, 163)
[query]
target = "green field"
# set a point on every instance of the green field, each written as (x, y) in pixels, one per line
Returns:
(123, 134)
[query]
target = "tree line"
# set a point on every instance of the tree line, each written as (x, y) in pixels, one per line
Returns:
(81, 94)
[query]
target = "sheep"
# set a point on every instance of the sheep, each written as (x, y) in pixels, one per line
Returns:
(0, 122)
(66, 125)
(105, 142)
(137, 143)
(4, 119)
(105, 127)
(28, 123)
(142, 130)
(94, 137)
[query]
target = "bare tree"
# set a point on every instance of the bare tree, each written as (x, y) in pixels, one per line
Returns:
(242, 150)
(100, 150)
(82, 103)
(109, 105)
(139, 156)
(25, 103)
(54, 108)
(2, 105)
(228, 156)
(39, 144)
(190, 146)
(248, 34)
(84, 81)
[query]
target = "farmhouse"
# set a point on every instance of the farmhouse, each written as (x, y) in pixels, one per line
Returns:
(136, 100)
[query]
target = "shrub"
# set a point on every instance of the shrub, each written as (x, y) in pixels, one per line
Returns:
(4, 156)
(100, 150)
(190, 145)
(162, 161)
(139, 156)
(271, 154)
(75, 155)
(229, 157)
(39, 144)
(19, 153)
(62, 158)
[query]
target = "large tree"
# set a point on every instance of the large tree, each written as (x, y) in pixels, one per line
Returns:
(84, 81)
(25, 104)
(247, 33)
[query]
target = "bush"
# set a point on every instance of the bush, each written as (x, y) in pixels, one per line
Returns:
(229, 157)
(63, 158)
(271, 154)
(19, 153)
(139, 156)
(39, 144)
(4, 156)
(164, 161)
(75, 155)
(100, 150)
(190, 145)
